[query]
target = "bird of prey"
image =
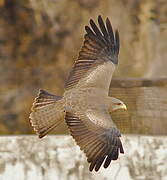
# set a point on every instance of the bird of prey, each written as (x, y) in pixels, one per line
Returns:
(85, 105)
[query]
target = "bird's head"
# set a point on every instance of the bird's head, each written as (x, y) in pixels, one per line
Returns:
(117, 105)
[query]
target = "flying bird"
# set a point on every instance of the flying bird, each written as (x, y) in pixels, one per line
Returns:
(85, 105)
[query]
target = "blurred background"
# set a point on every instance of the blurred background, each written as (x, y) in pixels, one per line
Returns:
(40, 39)
(39, 42)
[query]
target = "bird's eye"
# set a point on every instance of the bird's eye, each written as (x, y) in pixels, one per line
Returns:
(118, 104)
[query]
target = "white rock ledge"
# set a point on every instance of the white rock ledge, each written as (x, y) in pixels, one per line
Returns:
(58, 158)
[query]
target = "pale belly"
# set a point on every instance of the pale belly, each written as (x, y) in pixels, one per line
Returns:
(89, 98)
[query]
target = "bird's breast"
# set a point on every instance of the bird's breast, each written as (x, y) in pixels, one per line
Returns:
(83, 99)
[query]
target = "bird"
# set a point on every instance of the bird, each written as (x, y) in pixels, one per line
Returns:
(85, 106)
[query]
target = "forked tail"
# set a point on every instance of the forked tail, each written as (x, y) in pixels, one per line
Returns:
(47, 112)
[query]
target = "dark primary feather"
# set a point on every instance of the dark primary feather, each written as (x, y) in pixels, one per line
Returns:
(100, 146)
(110, 31)
(100, 45)
(104, 38)
(117, 41)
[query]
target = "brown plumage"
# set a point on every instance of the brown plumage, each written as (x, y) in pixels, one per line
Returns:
(85, 105)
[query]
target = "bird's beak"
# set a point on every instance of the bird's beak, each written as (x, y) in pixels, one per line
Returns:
(120, 107)
(124, 107)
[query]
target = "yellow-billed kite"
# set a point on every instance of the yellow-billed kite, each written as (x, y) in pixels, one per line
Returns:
(85, 105)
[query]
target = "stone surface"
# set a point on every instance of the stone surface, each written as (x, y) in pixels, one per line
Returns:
(58, 158)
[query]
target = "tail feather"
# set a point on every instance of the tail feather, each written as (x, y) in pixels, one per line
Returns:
(47, 113)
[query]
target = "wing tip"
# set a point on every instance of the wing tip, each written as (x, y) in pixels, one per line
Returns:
(104, 35)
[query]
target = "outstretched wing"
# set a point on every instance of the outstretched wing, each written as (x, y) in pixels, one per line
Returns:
(100, 144)
(97, 58)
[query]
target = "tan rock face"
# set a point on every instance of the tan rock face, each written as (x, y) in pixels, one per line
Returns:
(39, 41)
